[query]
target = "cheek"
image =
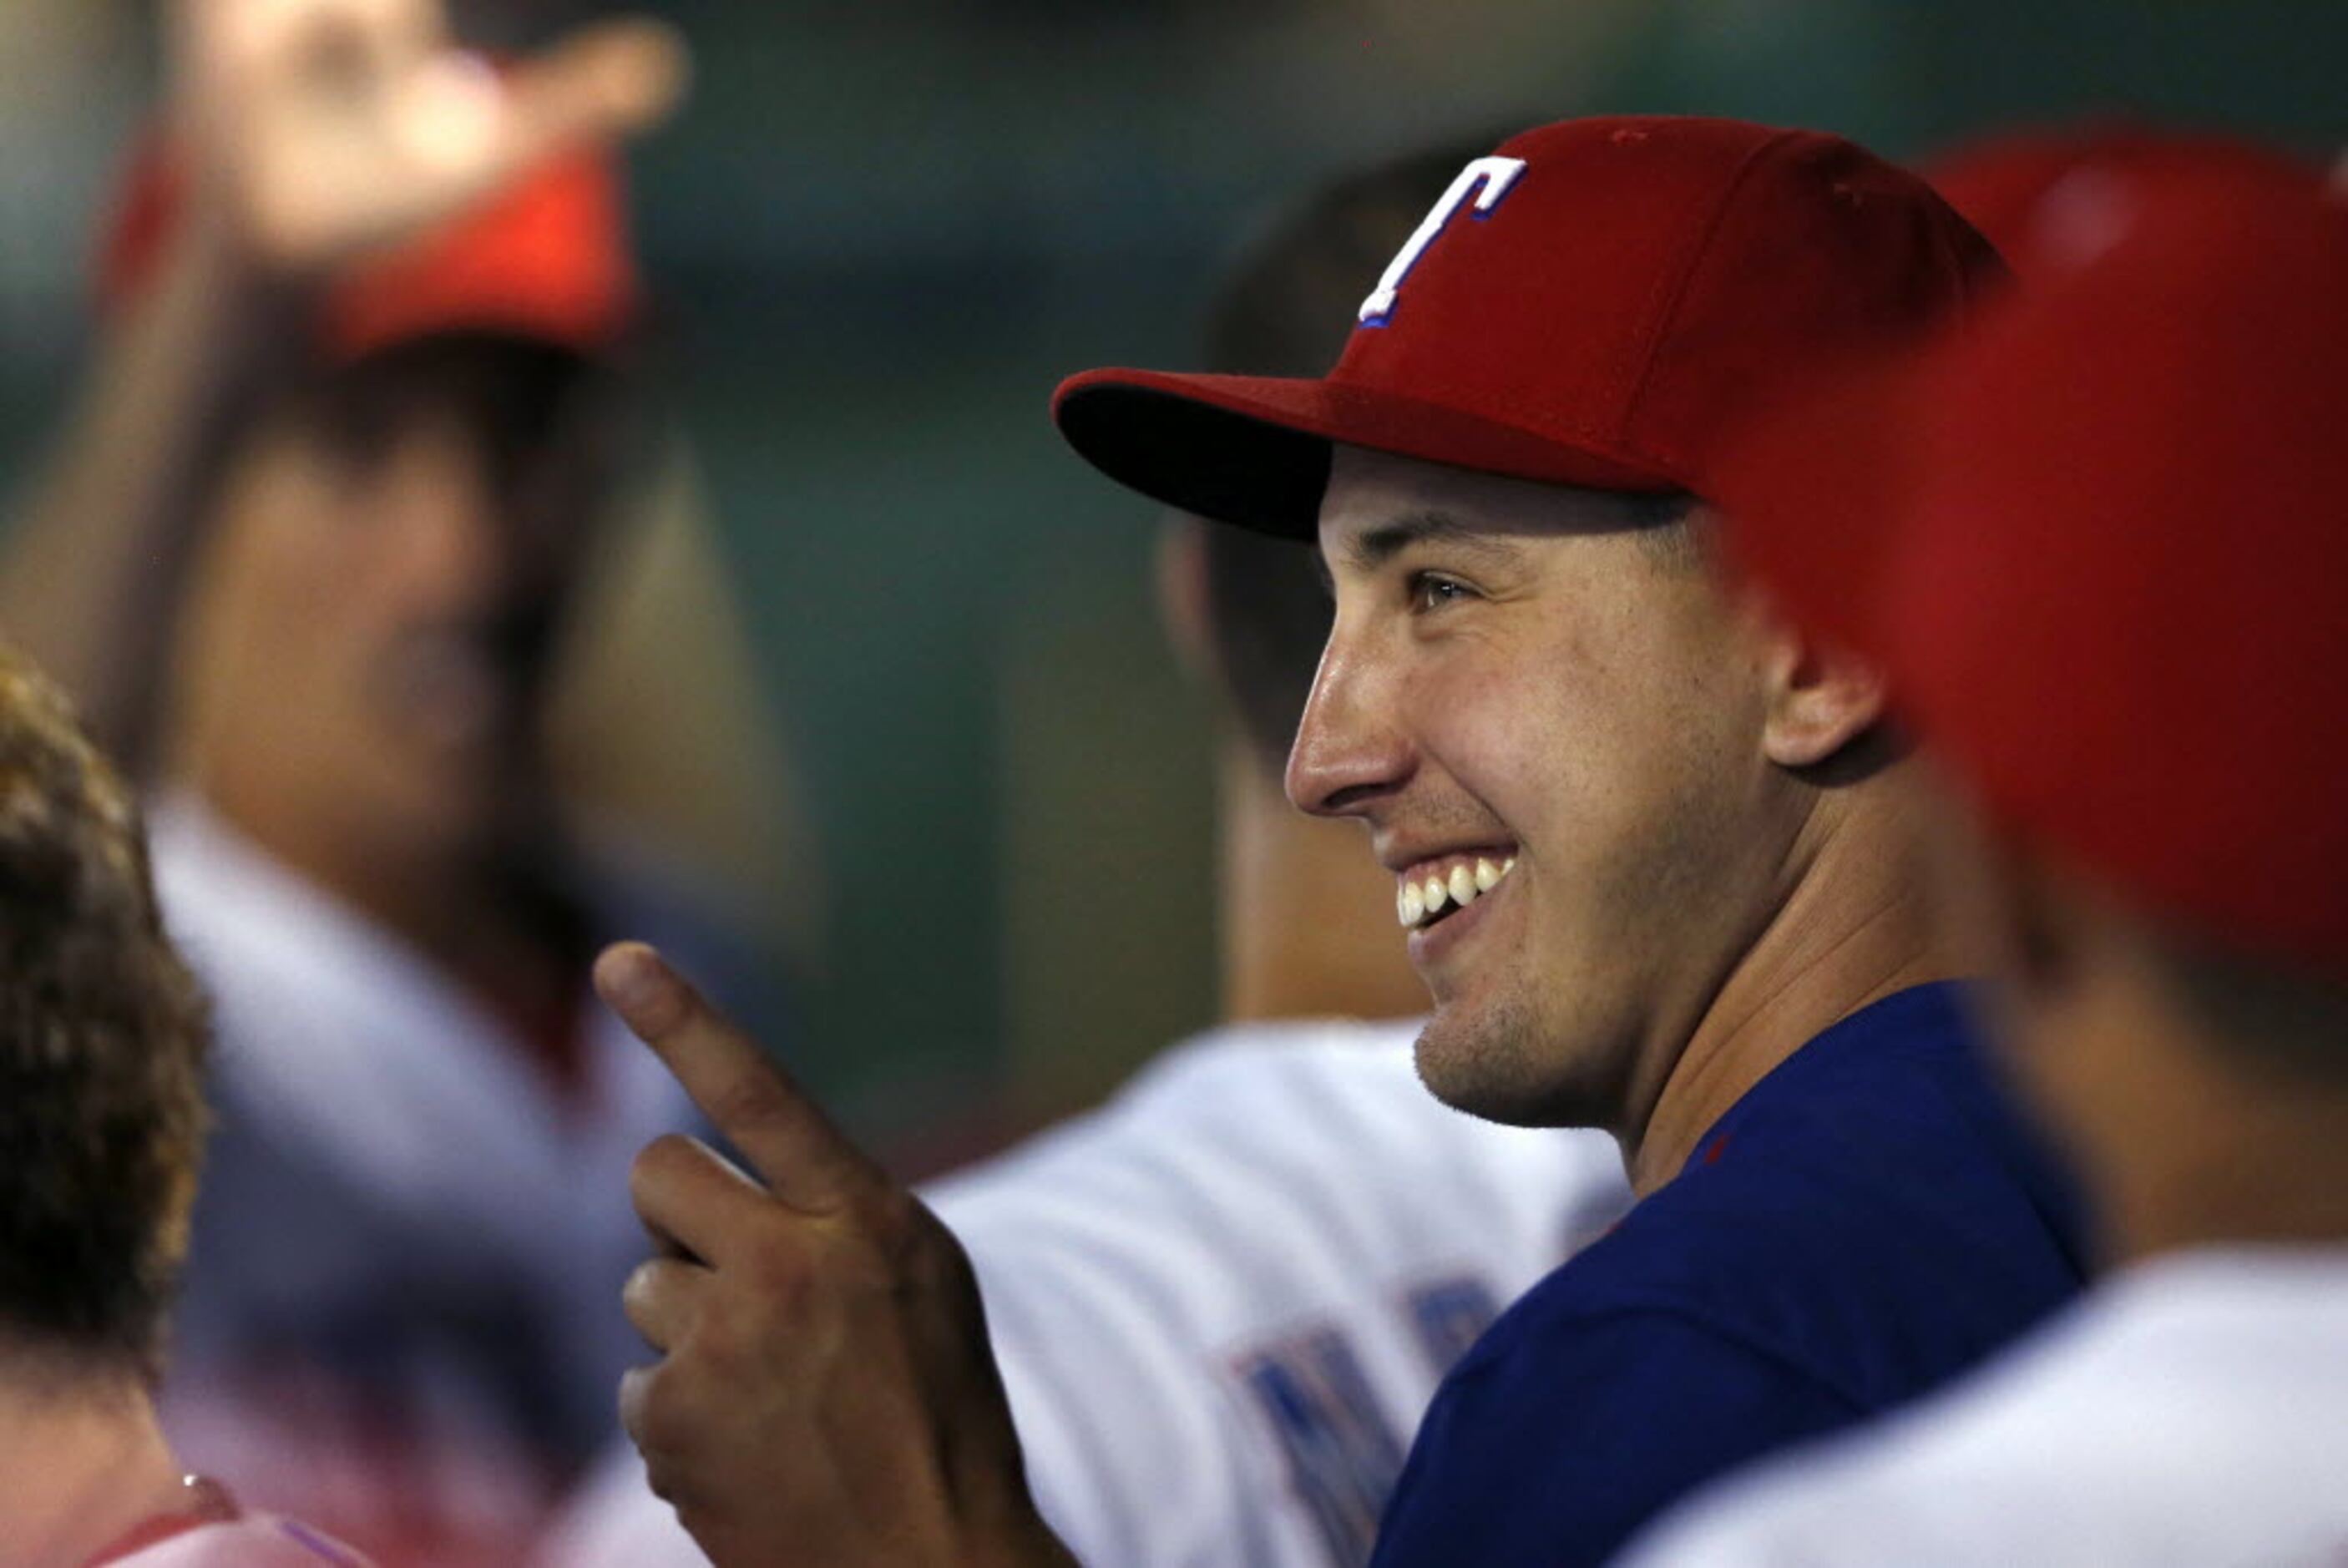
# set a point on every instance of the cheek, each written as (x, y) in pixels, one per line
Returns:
(1492, 734)
(1655, 792)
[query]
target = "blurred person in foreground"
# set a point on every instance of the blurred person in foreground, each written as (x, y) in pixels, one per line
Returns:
(1273, 1244)
(359, 416)
(102, 1047)
(2104, 562)
(1658, 865)
(2002, 182)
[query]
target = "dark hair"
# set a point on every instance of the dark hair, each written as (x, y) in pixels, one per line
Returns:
(103, 1039)
(527, 401)
(1285, 308)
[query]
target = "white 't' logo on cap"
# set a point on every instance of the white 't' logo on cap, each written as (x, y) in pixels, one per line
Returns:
(1495, 175)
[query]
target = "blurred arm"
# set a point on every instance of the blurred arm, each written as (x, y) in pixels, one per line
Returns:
(306, 135)
(99, 545)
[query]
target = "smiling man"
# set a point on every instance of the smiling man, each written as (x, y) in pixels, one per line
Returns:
(1658, 857)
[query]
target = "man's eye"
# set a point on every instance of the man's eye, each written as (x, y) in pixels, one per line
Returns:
(1432, 591)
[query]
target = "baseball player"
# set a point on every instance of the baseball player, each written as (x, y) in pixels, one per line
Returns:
(1656, 856)
(1273, 1244)
(353, 432)
(102, 1051)
(2104, 564)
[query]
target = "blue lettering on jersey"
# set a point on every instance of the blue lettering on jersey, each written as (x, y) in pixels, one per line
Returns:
(1450, 1316)
(1342, 1458)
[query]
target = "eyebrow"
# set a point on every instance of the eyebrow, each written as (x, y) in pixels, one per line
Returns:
(1376, 547)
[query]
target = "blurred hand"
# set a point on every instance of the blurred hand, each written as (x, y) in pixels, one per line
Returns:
(317, 130)
(827, 1393)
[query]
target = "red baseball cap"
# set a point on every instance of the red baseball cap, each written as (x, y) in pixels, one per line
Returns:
(2025, 189)
(2100, 546)
(1596, 305)
(547, 259)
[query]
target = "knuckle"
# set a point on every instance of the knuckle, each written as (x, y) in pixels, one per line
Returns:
(780, 1274)
(925, 1252)
(660, 1163)
(644, 1297)
(659, 1421)
(891, 1217)
(746, 1101)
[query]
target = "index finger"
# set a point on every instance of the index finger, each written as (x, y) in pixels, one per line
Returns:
(606, 81)
(789, 1143)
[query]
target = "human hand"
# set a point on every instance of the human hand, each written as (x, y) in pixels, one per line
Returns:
(316, 130)
(826, 1393)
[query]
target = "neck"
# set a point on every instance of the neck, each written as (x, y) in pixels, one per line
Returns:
(480, 912)
(1851, 929)
(1307, 921)
(82, 1463)
(2255, 1167)
(2181, 1141)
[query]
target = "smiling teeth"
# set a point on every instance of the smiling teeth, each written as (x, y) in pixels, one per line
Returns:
(1415, 901)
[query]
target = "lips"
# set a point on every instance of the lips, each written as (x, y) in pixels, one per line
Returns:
(460, 682)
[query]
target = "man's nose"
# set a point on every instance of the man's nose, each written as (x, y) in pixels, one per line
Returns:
(1350, 752)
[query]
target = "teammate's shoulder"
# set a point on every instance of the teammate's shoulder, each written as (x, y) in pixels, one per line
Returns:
(1355, 1048)
(2180, 1413)
(1348, 1091)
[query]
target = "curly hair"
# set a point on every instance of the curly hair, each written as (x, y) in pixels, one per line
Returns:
(103, 1040)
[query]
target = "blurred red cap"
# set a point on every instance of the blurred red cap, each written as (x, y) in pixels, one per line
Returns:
(2025, 189)
(2100, 546)
(1595, 305)
(547, 259)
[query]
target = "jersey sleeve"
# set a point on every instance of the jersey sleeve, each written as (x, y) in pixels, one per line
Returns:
(1557, 1453)
(1221, 1304)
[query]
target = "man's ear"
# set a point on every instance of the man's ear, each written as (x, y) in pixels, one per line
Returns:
(1183, 593)
(1821, 698)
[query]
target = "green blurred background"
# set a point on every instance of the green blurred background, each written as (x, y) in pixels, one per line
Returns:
(884, 230)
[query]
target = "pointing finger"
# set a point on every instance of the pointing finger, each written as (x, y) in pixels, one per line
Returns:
(789, 1143)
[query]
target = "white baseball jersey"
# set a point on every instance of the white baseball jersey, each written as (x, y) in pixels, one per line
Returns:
(2194, 1411)
(401, 1306)
(1223, 1302)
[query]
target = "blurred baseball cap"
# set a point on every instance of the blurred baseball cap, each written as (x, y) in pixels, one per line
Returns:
(547, 259)
(1597, 303)
(2099, 544)
(2028, 189)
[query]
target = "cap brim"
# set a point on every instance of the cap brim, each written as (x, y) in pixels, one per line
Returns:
(1254, 450)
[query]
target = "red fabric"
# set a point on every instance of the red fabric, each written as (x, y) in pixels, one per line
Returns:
(546, 259)
(2002, 184)
(2108, 566)
(1641, 283)
(208, 1502)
